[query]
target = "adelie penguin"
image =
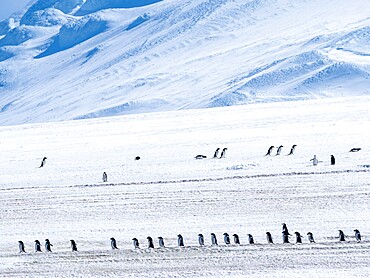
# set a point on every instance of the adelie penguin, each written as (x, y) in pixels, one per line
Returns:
(161, 241)
(292, 150)
(250, 239)
(236, 239)
(357, 235)
(200, 156)
(135, 242)
(213, 239)
(48, 245)
(310, 237)
(226, 238)
(285, 233)
(269, 238)
(341, 235)
(298, 237)
(113, 243)
(180, 240)
(73, 245)
(201, 239)
(105, 177)
(278, 152)
(150, 242)
(37, 246)
(332, 160)
(21, 247)
(269, 150)
(223, 153)
(43, 162)
(216, 153)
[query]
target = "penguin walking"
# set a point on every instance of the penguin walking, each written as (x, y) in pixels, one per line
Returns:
(285, 233)
(73, 245)
(216, 153)
(236, 239)
(269, 150)
(226, 238)
(43, 162)
(223, 153)
(332, 160)
(314, 160)
(357, 235)
(214, 239)
(298, 237)
(135, 242)
(105, 177)
(113, 243)
(21, 247)
(150, 242)
(201, 239)
(250, 239)
(37, 246)
(269, 238)
(161, 242)
(278, 152)
(48, 245)
(180, 240)
(310, 237)
(292, 150)
(341, 235)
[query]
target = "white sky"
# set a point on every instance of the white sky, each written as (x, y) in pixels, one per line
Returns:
(7, 7)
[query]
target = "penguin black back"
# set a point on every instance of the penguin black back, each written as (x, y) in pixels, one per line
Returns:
(279, 150)
(269, 237)
(135, 242)
(201, 239)
(250, 239)
(216, 153)
(341, 235)
(226, 238)
(48, 245)
(37, 246)
(357, 235)
(113, 243)
(292, 150)
(310, 237)
(223, 152)
(180, 240)
(73, 245)
(150, 242)
(269, 151)
(161, 241)
(214, 239)
(21, 247)
(332, 160)
(298, 237)
(43, 162)
(236, 239)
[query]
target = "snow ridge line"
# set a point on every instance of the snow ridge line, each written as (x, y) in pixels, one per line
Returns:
(225, 178)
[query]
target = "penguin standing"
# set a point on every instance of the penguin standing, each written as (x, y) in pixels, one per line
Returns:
(161, 241)
(341, 235)
(285, 233)
(135, 242)
(269, 151)
(269, 237)
(43, 162)
(213, 239)
(73, 245)
(298, 237)
(150, 242)
(310, 237)
(37, 246)
(250, 239)
(201, 239)
(223, 152)
(236, 239)
(48, 245)
(226, 238)
(21, 247)
(332, 160)
(180, 240)
(357, 235)
(105, 177)
(113, 243)
(279, 150)
(292, 150)
(216, 153)
(314, 160)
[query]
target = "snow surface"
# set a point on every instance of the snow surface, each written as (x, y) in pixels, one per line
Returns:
(77, 59)
(168, 192)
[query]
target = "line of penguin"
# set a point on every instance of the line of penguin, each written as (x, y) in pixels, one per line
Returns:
(180, 240)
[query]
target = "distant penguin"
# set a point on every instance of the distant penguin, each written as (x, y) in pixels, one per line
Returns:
(332, 160)
(285, 233)
(292, 150)
(279, 150)
(357, 235)
(48, 245)
(310, 237)
(113, 243)
(236, 239)
(137, 158)
(213, 239)
(341, 235)
(200, 156)
(269, 151)
(250, 239)
(201, 239)
(150, 242)
(73, 245)
(269, 237)
(216, 153)
(161, 241)
(135, 242)
(21, 247)
(43, 162)
(226, 238)
(37, 246)
(314, 160)
(180, 240)
(353, 150)
(298, 237)
(223, 153)
(105, 177)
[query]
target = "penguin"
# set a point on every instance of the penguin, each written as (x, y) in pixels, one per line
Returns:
(73, 245)
(48, 245)
(269, 151)
(223, 153)
(353, 150)
(285, 233)
(201, 239)
(226, 238)
(213, 239)
(113, 243)
(37, 246)
(43, 162)
(332, 160)
(269, 238)
(216, 153)
(250, 239)
(135, 243)
(357, 235)
(200, 156)
(279, 150)
(314, 160)
(341, 235)
(292, 150)
(21, 247)
(236, 239)
(298, 237)
(105, 177)
(180, 240)
(137, 158)
(310, 237)
(161, 241)
(150, 242)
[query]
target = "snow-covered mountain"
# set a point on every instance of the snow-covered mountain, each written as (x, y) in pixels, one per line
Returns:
(77, 59)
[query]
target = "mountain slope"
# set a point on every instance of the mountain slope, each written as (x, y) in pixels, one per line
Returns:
(81, 59)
